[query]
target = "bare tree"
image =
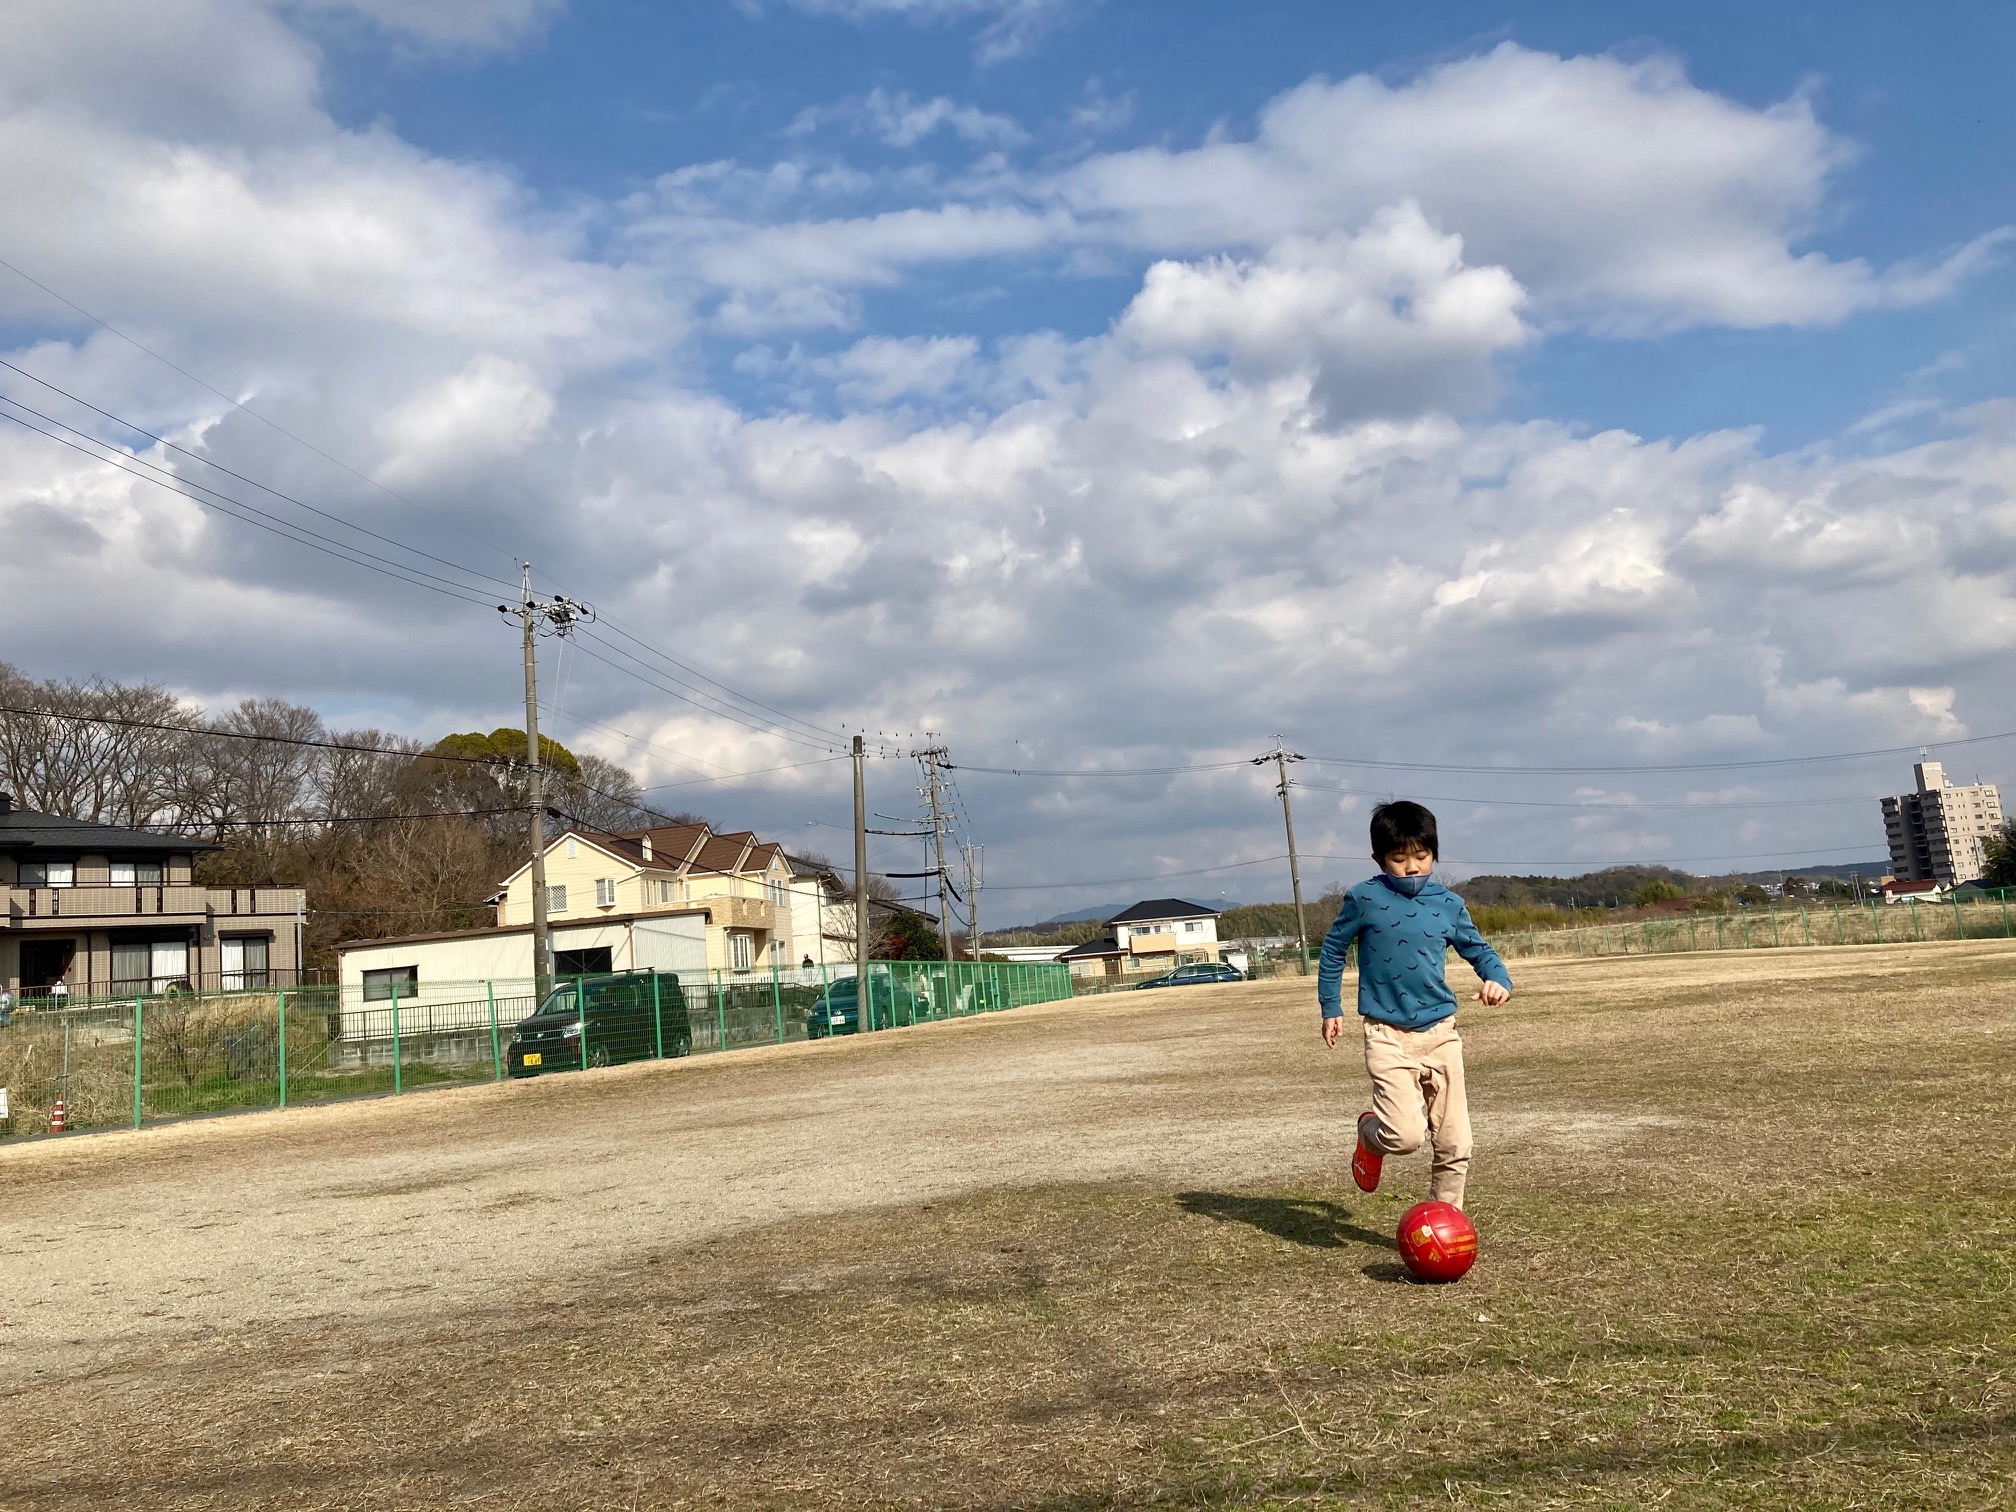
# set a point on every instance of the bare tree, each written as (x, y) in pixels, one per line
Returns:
(604, 797)
(63, 758)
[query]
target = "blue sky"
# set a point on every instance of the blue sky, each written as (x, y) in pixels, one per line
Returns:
(619, 93)
(1106, 384)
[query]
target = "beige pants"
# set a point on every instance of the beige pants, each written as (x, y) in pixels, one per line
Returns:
(1417, 1094)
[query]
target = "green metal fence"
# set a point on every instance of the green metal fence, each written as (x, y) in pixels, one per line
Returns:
(130, 1061)
(1979, 916)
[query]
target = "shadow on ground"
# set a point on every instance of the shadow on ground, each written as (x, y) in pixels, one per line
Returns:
(1300, 1220)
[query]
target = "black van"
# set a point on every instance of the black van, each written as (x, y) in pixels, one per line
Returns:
(631, 1015)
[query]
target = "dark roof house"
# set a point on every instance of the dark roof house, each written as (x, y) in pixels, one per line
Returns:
(1163, 908)
(109, 911)
(24, 832)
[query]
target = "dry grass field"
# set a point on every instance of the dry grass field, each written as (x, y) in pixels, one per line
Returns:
(1747, 1222)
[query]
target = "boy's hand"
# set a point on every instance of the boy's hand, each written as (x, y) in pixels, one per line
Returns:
(1491, 994)
(1332, 1028)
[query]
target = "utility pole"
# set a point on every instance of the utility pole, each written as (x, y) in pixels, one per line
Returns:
(973, 870)
(558, 616)
(1281, 758)
(861, 939)
(931, 756)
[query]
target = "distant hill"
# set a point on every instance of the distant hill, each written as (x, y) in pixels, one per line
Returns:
(1840, 871)
(1103, 912)
(1616, 884)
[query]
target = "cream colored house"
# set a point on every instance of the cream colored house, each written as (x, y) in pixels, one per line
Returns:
(761, 909)
(679, 899)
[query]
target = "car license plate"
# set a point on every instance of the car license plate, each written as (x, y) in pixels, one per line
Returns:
(534, 1058)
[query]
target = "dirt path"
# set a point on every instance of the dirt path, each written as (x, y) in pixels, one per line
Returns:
(989, 1212)
(381, 1209)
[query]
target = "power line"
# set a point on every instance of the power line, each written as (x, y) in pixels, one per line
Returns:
(732, 691)
(205, 732)
(1683, 766)
(240, 404)
(1168, 771)
(686, 761)
(354, 472)
(723, 713)
(1594, 808)
(210, 824)
(301, 536)
(1431, 766)
(199, 458)
(789, 766)
(1453, 861)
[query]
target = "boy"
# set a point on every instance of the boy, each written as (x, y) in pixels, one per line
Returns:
(1402, 920)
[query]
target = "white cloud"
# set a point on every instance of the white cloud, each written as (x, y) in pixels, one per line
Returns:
(1612, 569)
(1388, 321)
(882, 369)
(1621, 194)
(899, 119)
(489, 412)
(181, 69)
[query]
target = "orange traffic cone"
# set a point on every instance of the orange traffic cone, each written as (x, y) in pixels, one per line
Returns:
(57, 1120)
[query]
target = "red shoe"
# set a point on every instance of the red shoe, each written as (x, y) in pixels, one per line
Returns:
(1366, 1161)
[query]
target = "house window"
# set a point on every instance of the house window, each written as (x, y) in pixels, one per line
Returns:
(605, 892)
(780, 895)
(780, 952)
(48, 873)
(136, 873)
(741, 952)
(149, 965)
(556, 899)
(1191, 926)
(245, 961)
(380, 985)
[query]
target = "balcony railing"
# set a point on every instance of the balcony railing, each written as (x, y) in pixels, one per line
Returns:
(740, 913)
(24, 905)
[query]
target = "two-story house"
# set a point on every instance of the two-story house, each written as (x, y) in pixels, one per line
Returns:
(1153, 936)
(112, 912)
(675, 898)
(752, 894)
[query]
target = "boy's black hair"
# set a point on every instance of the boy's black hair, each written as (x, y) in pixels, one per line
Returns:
(1395, 826)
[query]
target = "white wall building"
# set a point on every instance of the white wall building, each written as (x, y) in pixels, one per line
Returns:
(1941, 832)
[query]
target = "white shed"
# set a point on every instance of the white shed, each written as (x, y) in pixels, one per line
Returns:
(426, 970)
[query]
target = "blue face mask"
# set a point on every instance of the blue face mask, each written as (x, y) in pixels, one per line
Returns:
(1407, 887)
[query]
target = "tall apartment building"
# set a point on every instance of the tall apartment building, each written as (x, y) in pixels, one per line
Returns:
(1940, 832)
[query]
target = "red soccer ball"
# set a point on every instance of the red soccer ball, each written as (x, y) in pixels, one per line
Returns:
(1437, 1242)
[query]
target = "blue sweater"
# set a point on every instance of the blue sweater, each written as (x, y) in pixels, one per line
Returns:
(1400, 941)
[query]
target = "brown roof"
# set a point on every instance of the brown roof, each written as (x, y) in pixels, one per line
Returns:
(723, 853)
(675, 845)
